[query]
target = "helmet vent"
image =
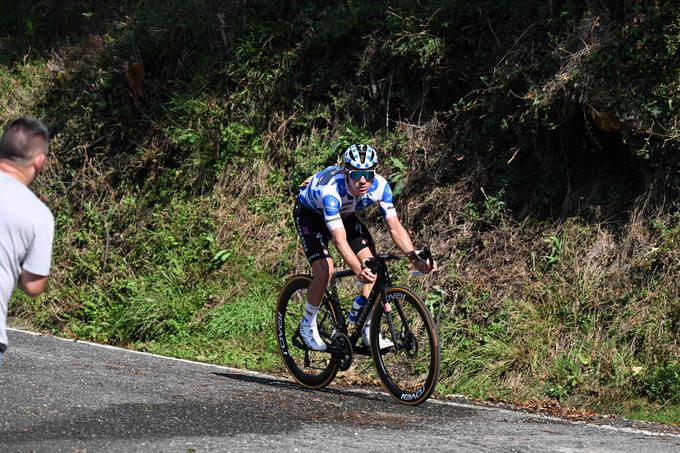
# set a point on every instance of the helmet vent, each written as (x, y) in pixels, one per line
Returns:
(360, 156)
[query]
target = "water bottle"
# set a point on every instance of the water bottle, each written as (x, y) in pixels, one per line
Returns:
(359, 303)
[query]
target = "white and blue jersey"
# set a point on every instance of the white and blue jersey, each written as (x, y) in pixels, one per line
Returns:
(327, 194)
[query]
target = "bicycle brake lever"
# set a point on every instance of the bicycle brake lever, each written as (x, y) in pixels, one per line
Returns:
(420, 274)
(425, 254)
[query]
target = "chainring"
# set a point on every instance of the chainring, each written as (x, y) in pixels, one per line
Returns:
(341, 348)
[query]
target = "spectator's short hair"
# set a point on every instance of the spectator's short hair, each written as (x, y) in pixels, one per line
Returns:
(18, 137)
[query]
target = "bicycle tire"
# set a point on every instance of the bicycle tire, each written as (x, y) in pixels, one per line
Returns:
(322, 367)
(409, 371)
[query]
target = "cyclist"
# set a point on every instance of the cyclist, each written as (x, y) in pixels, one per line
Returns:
(326, 209)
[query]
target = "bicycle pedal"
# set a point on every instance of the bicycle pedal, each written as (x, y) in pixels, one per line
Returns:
(297, 341)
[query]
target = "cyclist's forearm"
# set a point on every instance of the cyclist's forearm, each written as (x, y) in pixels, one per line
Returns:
(400, 236)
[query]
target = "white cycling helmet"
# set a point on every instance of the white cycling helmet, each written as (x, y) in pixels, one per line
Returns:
(360, 156)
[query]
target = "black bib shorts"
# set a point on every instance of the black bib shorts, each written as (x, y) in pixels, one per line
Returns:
(314, 233)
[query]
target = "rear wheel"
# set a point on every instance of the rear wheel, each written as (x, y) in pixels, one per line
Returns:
(409, 370)
(312, 369)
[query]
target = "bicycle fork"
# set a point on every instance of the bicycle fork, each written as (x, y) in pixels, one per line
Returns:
(387, 312)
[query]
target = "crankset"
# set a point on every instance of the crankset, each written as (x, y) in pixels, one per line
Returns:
(341, 349)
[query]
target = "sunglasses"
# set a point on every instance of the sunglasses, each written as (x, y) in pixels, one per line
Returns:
(356, 175)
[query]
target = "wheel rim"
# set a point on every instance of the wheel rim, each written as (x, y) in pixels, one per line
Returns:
(409, 371)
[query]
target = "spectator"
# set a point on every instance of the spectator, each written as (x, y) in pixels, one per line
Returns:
(26, 224)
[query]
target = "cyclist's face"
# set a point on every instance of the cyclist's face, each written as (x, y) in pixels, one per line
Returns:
(359, 181)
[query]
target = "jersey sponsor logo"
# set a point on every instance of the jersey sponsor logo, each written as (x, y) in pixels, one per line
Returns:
(385, 211)
(331, 205)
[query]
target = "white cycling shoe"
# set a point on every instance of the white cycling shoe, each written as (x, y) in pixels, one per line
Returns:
(384, 342)
(310, 336)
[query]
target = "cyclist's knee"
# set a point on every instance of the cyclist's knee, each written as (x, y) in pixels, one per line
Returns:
(322, 270)
(365, 253)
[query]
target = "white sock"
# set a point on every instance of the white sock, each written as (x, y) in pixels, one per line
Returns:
(310, 314)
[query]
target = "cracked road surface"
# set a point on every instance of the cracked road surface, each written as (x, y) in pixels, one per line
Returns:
(66, 396)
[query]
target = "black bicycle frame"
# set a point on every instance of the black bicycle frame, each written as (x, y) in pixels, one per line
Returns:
(382, 282)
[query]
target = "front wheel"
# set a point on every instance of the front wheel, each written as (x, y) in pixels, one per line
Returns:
(312, 369)
(410, 369)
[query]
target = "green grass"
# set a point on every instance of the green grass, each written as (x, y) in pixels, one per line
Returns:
(661, 414)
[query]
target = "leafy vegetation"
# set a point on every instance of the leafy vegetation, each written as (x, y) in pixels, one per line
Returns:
(533, 145)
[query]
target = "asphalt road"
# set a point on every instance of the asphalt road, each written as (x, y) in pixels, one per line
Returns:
(65, 396)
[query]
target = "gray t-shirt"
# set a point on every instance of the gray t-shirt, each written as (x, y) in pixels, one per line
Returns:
(26, 234)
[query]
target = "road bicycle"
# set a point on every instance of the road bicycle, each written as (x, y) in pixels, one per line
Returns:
(408, 370)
